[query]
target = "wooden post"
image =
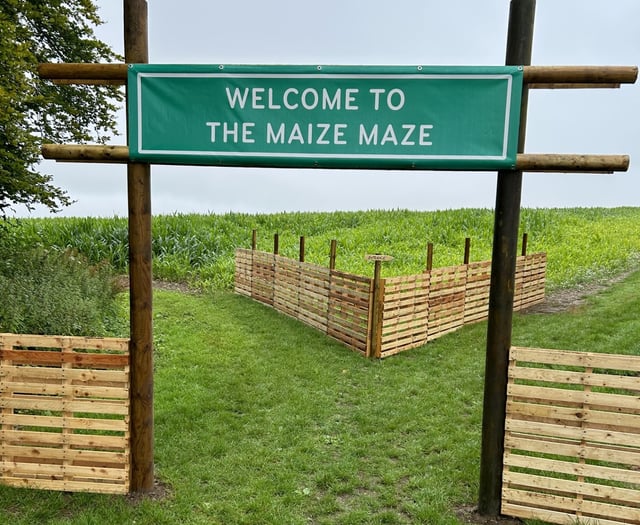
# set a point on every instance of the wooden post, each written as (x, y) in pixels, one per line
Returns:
(376, 311)
(429, 256)
(140, 278)
(467, 250)
(505, 245)
(301, 248)
(332, 254)
(254, 240)
(525, 237)
(276, 244)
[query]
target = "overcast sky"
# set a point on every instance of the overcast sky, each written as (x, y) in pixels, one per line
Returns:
(403, 32)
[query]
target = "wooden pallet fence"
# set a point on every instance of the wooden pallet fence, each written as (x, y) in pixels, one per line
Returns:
(446, 300)
(476, 298)
(572, 440)
(530, 280)
(64, 413)
(244, 272)
(406, 313)
(263, 277)
(415, 309)
(349, 307)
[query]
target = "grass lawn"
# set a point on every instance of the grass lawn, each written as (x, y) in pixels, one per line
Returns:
(260, 420)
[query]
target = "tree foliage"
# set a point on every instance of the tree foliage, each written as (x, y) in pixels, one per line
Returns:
(34, 111)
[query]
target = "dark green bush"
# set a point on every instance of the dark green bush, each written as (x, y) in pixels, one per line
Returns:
(51, 291)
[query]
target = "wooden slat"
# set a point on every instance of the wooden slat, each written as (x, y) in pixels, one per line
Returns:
(612, 402)
(573, 358)
(58, 404)
(572, 468)
(550, 516)
(90, 441)
(567, 486)
(33, 373)
(70, 486)
(588, 509)
(49, 469)
(25, 420)
(594, 435)
(86, 457)
(573, 448)
(575, 415)
(576, 378)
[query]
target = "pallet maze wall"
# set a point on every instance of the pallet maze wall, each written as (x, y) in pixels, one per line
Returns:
(64, 413)
(408, 311)
(572, 440)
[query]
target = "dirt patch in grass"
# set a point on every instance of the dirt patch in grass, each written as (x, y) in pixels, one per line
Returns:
(572, 298)
(160, 491)
(470, 515)
(122, 283)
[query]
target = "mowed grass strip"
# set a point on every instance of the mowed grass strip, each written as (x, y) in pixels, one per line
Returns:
(259, 419)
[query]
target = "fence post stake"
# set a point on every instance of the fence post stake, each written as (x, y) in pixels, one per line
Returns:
(429, 256)
(467, 250)
(276, 244)
(376, 309)
(254, 240)
(524, 244)
(376, 306)
(332, 254)
(301, 248)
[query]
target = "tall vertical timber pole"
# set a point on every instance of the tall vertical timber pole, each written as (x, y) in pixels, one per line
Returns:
(139, 201)
(505, 245)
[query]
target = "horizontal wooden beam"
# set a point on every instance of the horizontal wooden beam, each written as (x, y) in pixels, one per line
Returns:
(544, 162)
(579, 76)
(568, 85)
(535, 76)
(85, 153)
(75, 71)
(572, 163)
(89, 82)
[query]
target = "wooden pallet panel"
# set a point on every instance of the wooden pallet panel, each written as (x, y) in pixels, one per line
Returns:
(476, 299)
(64, 413)
(314, 296)
(446, 300)
(406, 313)
(243, 271)
(263, 277)
(572, 440)
(286, 286)
(534, 280)
(348, 312)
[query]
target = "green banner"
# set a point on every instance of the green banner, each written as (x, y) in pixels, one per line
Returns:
(365, 117)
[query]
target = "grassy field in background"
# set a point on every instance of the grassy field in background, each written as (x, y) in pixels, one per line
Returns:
(259, 419)
(583, 244)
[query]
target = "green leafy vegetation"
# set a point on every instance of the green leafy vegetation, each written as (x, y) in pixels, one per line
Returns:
(55, 291)
(583, 244)
(33, 111)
